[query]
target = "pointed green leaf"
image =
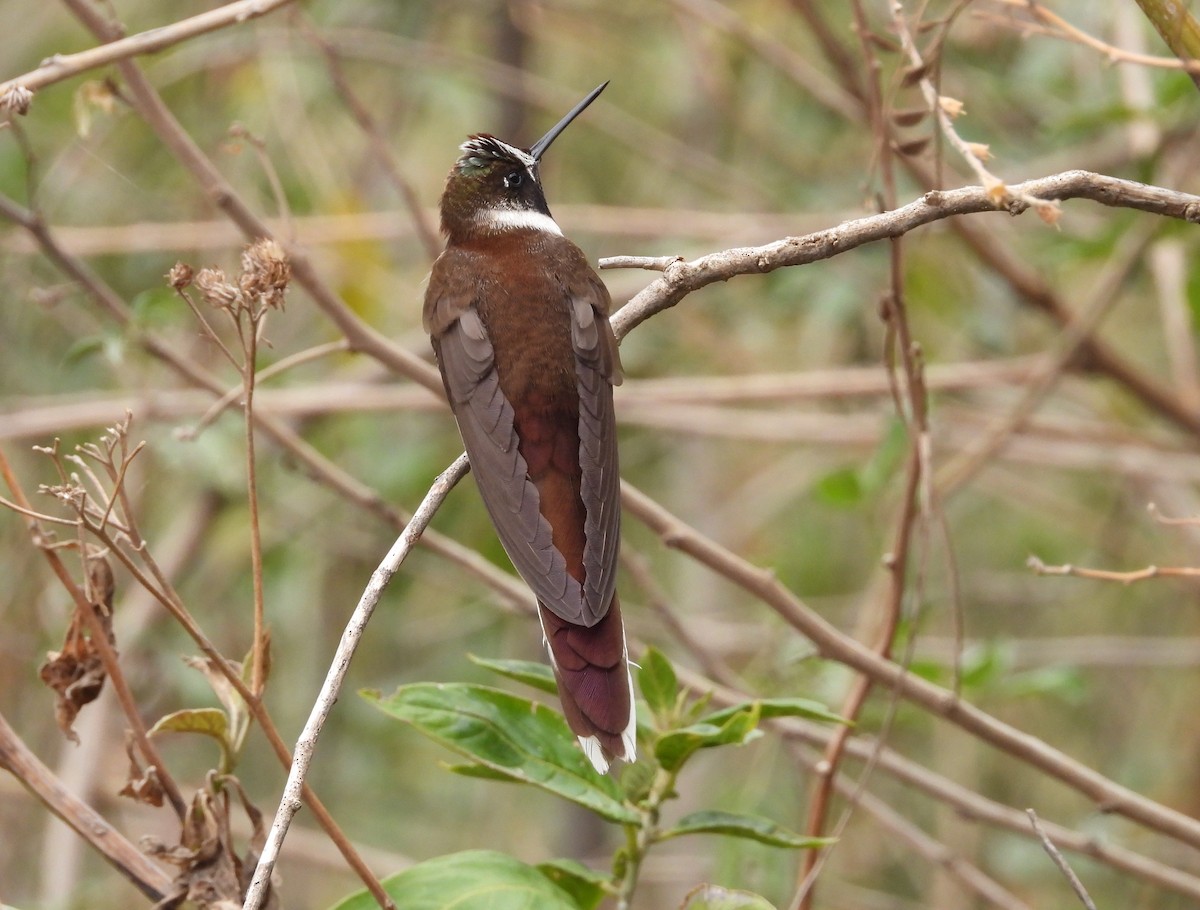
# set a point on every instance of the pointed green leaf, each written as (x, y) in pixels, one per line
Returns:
(209, 721)
(539, 676)
(779, 707)
(510, 735)
(154, 307)
(674, 748)
(587, 887)
(471, 880)
(840, 487)
(714, 897)
(734, 824)
(84, 347)
(482, 773)
(659, 685)
(237, 711)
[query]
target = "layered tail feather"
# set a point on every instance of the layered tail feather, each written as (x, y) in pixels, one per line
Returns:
(594, 684)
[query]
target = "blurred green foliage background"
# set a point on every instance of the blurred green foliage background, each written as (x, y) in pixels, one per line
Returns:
(725, 125)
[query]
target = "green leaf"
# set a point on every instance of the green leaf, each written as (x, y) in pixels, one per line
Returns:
(986, 664)
(1060, 682)
(659, 685)
(848, 486)
(714, 897)
(209, 721)
(471, 880)
(839, 488)
(509, 735)
(779, 707)
(482, 773)
(587, 887)
(237, 710)
(85, 347)
(752, 827)
(676, 747)
(155, 306)
(539, 676)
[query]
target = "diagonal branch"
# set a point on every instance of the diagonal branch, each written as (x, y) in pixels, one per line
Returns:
(834, 645)
(17, 758)
(64, 66)
(290, 802)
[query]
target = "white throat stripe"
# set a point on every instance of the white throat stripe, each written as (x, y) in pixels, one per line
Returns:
(512, 219)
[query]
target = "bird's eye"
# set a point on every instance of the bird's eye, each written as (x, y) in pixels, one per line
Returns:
(514, 180)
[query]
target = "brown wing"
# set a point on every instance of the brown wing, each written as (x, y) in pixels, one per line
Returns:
(486, 422)
(597, 370)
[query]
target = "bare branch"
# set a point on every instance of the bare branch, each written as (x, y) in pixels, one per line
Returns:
(1067, 871)
(307, 743)
(1125, 578)
(64, 66)
(681, 278)
(39, 780)
(834, 645)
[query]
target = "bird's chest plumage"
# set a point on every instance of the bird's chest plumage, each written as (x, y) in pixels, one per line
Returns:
(525, 308)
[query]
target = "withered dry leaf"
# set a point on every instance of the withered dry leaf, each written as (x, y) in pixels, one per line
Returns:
(143, 785)
(914, 74)
(211, 874)
(909, 116)
(914, 146)
(76, 673)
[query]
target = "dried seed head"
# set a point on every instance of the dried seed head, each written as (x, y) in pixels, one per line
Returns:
(1050, 212)
(73, 494)
(180, 276)
(16, 98)
(951, 107)
(980, 150)
(265, 271)
(217, 290)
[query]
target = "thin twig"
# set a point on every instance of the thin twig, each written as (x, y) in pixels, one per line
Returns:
(258, 669)
(681, 278)
(1058, 27)
(107, 653)
(424, 230)
(281, 366)
(911, 412)
(316, 464)
(110, 843)
(64, 66)
(972, 153)
(307, 743)
(1125, 578)
(1106, 291)
(1067, 871)
(834, 645)
(149, 104)
(964, 801)
(1027, 284)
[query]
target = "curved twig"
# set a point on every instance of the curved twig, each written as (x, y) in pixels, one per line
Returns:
(290, 803)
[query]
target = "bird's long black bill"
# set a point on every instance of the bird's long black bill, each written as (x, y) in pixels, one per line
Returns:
(542, 144)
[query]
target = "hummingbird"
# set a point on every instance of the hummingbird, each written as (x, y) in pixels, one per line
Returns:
(519, 325)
